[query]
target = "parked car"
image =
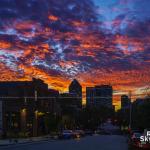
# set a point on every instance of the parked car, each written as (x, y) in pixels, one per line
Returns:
(78, 133)
(131, 132)
(66, 134)
(136, 144)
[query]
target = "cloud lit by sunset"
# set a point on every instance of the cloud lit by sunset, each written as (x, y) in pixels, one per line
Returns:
(95, 41)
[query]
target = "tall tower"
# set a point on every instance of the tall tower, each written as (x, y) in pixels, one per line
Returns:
(76, 89)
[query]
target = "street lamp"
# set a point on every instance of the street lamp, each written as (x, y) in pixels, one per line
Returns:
(23, 119)
(35, 125)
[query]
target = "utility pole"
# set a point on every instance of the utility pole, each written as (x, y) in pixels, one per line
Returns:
(130, 121)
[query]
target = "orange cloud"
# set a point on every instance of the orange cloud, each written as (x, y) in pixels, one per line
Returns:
(5, 45)
(53, 18)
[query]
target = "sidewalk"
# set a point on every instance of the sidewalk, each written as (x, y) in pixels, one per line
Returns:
(8, 142)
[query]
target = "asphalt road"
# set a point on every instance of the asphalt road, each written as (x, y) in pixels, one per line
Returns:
(96, 142)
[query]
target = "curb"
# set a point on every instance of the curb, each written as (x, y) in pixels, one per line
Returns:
(28, 142)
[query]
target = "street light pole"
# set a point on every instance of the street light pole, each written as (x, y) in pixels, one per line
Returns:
(130, 121)
(35, 119)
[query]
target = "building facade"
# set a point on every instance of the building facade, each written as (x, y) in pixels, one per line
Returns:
(24, 104)
(99, 96)
(90, 96)
(125, 102)
(68, 103)
(75, 89)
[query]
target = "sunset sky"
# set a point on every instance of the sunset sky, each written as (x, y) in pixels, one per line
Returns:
(94, 41)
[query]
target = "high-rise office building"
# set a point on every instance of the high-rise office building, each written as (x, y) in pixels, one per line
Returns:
(99, 96)
(76, 89)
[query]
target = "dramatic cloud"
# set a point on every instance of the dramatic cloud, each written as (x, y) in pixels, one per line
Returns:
(96, 41)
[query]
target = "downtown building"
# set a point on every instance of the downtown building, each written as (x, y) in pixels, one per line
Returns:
(71, 105)
(23, 105)
(125, 102)
(99, 96)
(68, 103)
(125, 109)
(75, 91)
(71, 101)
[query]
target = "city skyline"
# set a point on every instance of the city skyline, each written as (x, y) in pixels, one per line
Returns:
(95, 41)
(104, 92)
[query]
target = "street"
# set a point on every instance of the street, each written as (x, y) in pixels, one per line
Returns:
(96, 142)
